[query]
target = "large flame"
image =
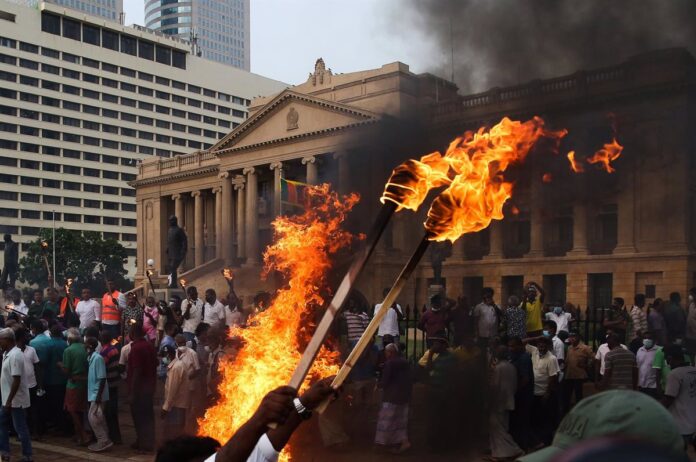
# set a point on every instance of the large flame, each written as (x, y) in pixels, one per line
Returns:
(472, 168)
(608, 154)
(272, 343)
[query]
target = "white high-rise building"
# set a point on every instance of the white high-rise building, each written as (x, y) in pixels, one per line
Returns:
(219, 28)
(83, 100)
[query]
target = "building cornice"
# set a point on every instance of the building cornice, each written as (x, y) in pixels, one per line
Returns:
(170, 177)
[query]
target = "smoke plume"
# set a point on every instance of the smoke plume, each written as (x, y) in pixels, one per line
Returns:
(506, 42)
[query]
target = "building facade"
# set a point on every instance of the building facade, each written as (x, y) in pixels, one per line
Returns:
(584, 237)
(111, 10)
(219, 29)
(83, 101)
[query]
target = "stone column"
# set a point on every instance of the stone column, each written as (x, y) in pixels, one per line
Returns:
(536, 244)
(496, 240)
(225, 250)
(217, 191)
(178, 209)
(625, 236)
(312, 172)
(199, 255)
(342, 159)
(579, 229)
(277, 168)
(252, 217)
(240, 226)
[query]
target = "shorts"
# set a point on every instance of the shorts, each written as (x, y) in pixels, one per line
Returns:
(75, 399)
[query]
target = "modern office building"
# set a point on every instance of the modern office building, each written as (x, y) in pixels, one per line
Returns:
(108, 9)
(218, 28)
(83, 100)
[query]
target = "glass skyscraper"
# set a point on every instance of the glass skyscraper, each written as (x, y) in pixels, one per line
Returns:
(219, 28)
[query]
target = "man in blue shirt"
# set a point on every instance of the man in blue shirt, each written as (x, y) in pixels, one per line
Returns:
(97, 393)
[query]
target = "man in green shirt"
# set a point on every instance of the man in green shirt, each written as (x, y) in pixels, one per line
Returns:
(75, 367)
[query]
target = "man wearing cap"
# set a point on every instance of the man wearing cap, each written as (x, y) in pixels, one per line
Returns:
(546, 370)
(680, 392)
(623, 413)
(578, 361)
(15, 397)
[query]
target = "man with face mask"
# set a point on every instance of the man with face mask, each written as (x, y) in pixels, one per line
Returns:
(578, 361)
(560, 317)
(177, 395)
(647, 382)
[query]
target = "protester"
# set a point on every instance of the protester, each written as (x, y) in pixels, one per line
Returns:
(440, 366)
(577, 364)
(113, 377)
(177, 394)
(190, 359)
(680, 392)
(690, 336)
(558, 346)
(462, 321)
(532, 302)
(600, 358)
(675, 319)
(620, 367)
(560, 317)
(41, 343)
(390, 322)
(97, 395)
(356, 322)
(392, 422)
(132, 313)
(36, 308)
(170, 330)
(639, 320)
(503, 390)
(656, 322)
(617, 319)
(233, 311)
(18, 304)
(15, 397)
(213, 311)
(214, 376)
(520, 417)
(112, 307)
(487, 319)
(435, 319)
(142, 364)
(55, 380)
(74, 366)
(150, 319)
(31, 365)
(645, 358)
(193, 314)
(87, 310)
(515, 318)
(52, 304)
(546, 370)
(619, 414)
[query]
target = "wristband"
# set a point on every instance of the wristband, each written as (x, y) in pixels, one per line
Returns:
(302, 411)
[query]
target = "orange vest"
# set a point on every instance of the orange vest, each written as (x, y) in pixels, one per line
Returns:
(110, 310)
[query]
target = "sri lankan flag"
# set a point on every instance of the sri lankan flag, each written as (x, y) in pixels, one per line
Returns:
(292, 192)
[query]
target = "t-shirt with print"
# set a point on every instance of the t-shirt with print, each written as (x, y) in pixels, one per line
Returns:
(681, 385)
(13, 366)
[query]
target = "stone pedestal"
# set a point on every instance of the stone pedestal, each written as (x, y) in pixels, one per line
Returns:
(434, 289)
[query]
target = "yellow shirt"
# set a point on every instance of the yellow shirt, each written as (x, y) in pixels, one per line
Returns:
(533, 310)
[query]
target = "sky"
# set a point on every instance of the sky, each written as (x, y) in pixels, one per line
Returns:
(288, 36)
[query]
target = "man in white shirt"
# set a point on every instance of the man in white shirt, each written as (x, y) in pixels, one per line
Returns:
(550, 331)
(390, 322)
(486, 314)
(546, 370)
(15, 396)
(88, 310)
(647, 376)
(18, 304)
(213, 310)
(680, 398)
(560, 317)
(192, 309)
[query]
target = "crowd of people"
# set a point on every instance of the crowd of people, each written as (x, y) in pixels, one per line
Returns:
(520, 368)
(64, 358)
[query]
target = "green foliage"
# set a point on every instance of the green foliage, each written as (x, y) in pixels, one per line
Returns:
(81, 255)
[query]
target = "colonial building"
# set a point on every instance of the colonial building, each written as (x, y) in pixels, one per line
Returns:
(586, 237)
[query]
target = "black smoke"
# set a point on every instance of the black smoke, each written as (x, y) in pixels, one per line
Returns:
(508, 42)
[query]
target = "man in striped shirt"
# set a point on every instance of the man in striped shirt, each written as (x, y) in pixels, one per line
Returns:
(639, 320)
(620, 367)
(111, 357)
(356, 322)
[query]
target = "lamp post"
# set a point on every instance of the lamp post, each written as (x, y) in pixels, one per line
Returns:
(54, 247)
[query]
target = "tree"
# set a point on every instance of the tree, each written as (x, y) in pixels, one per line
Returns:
(81, 255)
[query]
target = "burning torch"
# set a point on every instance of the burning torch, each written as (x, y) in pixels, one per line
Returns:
(149, 273)
(44, 255)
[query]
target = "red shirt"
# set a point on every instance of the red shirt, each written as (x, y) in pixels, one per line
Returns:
(142, 361)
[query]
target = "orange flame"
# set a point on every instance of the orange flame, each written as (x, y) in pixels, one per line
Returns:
(411, 181)
(476, 189)
(182, 281)
(576, 166)
(608, 154)
(228, 274)
(547, 178)
(272, 344)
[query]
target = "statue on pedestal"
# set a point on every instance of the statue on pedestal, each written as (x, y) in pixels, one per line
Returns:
(11, 266)
(177, 246)
(439, 251)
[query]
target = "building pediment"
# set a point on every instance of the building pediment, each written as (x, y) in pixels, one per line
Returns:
(292, 115)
